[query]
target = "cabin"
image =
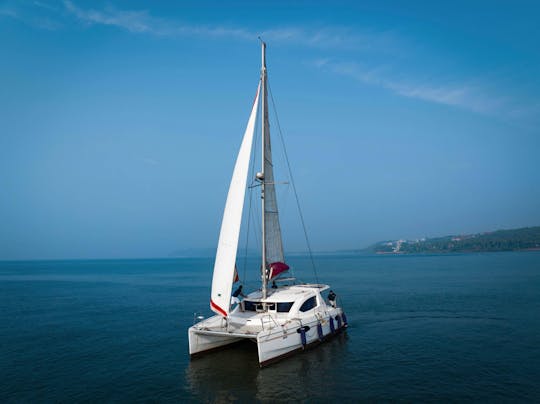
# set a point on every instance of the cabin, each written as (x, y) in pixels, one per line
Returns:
(284, 303)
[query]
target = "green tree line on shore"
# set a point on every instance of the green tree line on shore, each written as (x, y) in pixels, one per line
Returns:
(527, 238)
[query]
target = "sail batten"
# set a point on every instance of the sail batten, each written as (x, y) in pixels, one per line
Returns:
(224, 266)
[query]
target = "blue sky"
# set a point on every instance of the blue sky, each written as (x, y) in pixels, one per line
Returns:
(120, 120)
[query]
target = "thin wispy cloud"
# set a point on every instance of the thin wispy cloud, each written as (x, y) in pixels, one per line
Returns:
(466, 96)
(342, 38)
(6, 12)
(45, 6)
(143, 22)
(37, 21)
(456, 94)
(133, 21)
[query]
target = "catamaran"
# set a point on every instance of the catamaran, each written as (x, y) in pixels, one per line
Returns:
(282, 318)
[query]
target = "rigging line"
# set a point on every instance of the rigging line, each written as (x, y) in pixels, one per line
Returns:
(293, 183)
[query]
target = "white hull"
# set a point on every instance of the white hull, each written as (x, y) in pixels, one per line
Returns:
(276, 336)
(281, 342)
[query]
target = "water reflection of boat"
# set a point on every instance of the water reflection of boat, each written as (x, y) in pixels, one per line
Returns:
(233, 375)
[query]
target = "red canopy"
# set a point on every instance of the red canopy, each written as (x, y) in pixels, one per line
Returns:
(276, 268)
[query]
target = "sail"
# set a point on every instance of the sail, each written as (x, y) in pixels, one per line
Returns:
(274, 245)
(224, 266)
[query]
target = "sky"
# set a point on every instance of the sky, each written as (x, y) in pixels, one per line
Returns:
(120, 120)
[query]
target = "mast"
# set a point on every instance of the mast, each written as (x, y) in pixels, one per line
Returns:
(264, 110)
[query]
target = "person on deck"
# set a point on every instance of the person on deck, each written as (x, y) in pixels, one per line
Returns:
(238, 292)
(332, 298)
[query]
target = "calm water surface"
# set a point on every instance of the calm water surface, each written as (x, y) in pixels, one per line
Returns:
(422, 328)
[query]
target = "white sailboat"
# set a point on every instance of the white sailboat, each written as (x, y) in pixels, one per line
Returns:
(281, 319)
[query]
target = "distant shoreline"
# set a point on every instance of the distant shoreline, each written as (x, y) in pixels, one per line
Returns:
(455, 252)
(523, 239)
(526, 239)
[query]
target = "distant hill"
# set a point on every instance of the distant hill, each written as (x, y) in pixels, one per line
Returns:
(527, 238)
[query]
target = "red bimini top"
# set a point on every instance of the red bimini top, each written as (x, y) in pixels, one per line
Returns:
(276, 268)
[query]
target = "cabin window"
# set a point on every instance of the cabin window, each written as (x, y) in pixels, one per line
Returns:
(271, 306)
(284, 307)
(309, 304)
(249, 306)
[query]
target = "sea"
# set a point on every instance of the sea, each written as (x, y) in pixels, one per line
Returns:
(422, 328)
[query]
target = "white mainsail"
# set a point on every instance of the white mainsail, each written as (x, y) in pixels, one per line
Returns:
(222, 281)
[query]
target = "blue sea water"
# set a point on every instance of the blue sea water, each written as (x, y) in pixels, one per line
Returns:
(421, 328)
